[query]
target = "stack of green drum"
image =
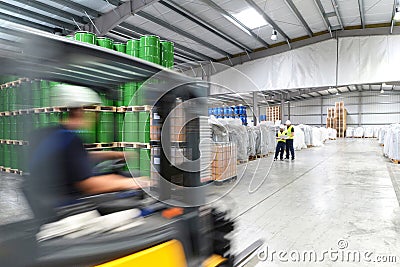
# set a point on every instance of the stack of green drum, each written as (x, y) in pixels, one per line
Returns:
(129, 93)
(167, 54)
(144, 127)
(89, 135)
(86, 37)
(105, 127)
(150, 48)
(105, 42)
(133, 47)
(133, 158)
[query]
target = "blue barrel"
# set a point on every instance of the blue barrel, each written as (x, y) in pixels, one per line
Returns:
(237, 110)
(242, 110)
(220, 111)
(227, 111)
(210, 111)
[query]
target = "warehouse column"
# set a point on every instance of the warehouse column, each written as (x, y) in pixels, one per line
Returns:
(322, 111)
(282, 109)
(256, 110)
(359, 108)
(288, 108)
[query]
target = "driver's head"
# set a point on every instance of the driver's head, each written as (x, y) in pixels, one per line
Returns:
(75, 98)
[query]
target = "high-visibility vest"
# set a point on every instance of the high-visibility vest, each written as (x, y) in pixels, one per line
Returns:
(281, 134)
(289, 132)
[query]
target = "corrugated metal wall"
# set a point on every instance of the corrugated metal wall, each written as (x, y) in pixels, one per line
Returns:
(375, 109)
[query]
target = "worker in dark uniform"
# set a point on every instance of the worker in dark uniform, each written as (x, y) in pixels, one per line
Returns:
(290, 139)
(280, 146)
(60, 167)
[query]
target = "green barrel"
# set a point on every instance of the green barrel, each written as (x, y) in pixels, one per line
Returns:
(167, 54)
(70, 37)
(120, 123)
(145, 163)
(6, 98)
(133, 47)
(7, 156)
(44, 94)
(44, 120)
(105, 101)
(35, 120)
(120, 100)
(86, 37)
(144, 127)
(140, 95)
(2, 100)
(131, 127)
(120, 47)
(12, 98)
(19, 127)
(13, 157)
(36, 93)
(13, 128)
(7, 130)
(88, 135)
(105, 42)
(1, 129)
(133, 158)
(54, 118)
(2, 155)
(129, 93)
(150, 48)
(105, 127)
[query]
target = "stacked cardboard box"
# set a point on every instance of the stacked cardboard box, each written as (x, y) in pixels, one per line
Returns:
(224, 162)
(340, 119)
(273, 113)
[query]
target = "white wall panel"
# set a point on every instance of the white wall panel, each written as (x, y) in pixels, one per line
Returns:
(362, 60)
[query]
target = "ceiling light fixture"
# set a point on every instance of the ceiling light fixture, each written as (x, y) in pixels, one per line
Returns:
(251, 18)
(274, 35)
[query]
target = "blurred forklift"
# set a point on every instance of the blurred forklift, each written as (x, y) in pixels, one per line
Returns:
(130, 228)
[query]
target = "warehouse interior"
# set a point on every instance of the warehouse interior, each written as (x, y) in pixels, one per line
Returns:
(177, 133)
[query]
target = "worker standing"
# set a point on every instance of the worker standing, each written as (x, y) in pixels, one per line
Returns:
(280, 146)
(290, 139)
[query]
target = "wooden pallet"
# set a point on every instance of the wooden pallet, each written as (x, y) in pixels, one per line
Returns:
(309, 146)
(262, 156)
(6, 169)
(395, 161)
(381, 144)
(242, 161)
(99, 145)
(100, 108)
(224, 181)
(251, 158)
(133, 145)
(134, 108)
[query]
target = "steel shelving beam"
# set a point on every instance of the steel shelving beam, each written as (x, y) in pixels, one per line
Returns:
(227, 14)
(336, 8)
(294, 9)
(52, 10)
(78, 7)
(108, 21)
(37, 16)
(192, 17)
(25, 22)
(183, 33)
(323, 14)
(362, 14)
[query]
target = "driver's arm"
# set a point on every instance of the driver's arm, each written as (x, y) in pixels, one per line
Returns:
(98, 156)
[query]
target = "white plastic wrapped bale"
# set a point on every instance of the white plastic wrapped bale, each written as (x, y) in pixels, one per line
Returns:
(332, 133)
(324, 134)
(218, 130)
(256, 130)
(264, 139)
(270, 137)
(392, 142)
(252, 136)
(299, 139)
(350, 132)
(316, 137)
(381, 135)
(307, 130)
(368, 132)
(376, 132)
(359, 132)
(238, 135)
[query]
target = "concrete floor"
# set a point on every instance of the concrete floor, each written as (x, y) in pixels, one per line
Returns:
(345, 190)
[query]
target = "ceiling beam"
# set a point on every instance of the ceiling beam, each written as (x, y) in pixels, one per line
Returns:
(114, 2)
(183, 33)
(192, 17)
(323, 14)
(226, 14)
(53, 10)
(25, 22)
(395, 3)
(78, 7)
(108, 21)
(267, 18)
(294, 9)
(36, 16)
(336, 8)
(178, 46)
(362, 15)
